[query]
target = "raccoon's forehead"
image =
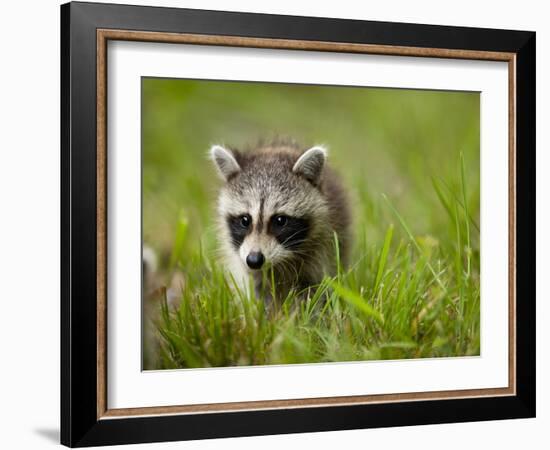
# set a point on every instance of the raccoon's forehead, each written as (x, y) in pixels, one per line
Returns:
(270, 195)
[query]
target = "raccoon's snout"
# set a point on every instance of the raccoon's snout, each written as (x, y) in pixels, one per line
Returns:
(255, 260)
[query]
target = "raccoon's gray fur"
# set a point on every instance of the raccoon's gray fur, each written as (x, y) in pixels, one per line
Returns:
(279, 208)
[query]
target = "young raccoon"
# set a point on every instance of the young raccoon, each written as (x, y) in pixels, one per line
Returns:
(279, 209)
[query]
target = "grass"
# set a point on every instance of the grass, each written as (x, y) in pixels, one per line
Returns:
(411, 298)
(412, 289)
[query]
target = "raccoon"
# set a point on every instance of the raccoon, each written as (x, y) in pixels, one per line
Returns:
(280, 209)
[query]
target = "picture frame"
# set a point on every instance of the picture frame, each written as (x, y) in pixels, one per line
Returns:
(86, 30)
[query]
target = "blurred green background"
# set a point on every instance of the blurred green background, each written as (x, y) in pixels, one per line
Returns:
(391, 141)
(408, 158)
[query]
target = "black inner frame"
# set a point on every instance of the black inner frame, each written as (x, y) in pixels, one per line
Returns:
(79, 423)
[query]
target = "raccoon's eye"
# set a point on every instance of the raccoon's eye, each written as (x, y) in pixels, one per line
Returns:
(245, 220)
(280, 220)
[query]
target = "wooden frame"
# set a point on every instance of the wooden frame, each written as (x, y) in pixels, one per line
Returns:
(86, 418)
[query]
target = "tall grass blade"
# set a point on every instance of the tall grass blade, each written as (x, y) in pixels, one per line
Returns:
(459, 201)
(442, 199)
(413, 240)
(383, 258)
(465, 199)
(358, 301)
(179, 242)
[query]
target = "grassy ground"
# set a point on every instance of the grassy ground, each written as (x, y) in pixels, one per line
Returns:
(410, 161)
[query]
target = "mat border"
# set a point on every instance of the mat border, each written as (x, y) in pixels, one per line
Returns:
(86, 29)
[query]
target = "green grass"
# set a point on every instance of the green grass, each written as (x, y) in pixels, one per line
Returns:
(410, 161)
(411, 298)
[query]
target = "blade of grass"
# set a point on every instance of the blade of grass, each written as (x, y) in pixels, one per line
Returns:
(383, 258)
(181, 234)
(441, 197)
(338, 261)
(413, 240)
(457, 199)
(464, 197)
(358, 301)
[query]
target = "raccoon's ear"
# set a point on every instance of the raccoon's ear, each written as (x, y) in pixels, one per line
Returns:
(310, 164)
(225, 162)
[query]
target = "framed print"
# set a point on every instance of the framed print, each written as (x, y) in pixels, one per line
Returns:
(276, 224)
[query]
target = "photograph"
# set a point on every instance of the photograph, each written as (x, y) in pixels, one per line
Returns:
(301, 223)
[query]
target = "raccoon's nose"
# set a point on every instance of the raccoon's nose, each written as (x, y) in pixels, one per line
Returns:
(255, 260)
